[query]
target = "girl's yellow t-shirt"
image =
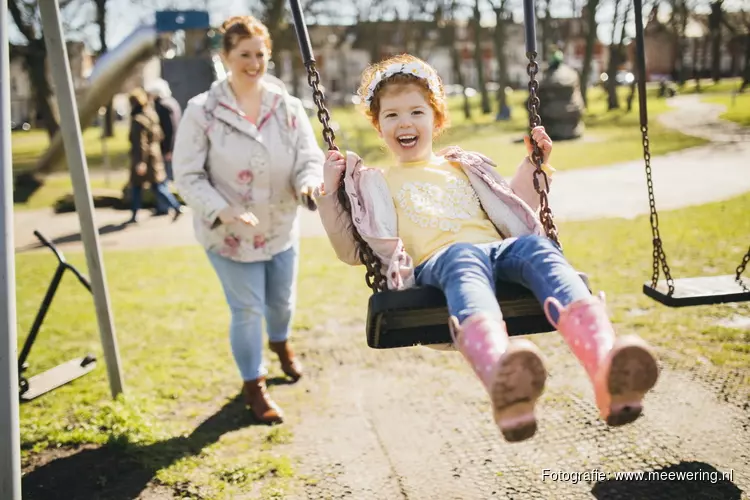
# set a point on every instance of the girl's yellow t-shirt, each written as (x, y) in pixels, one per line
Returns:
(436, 207)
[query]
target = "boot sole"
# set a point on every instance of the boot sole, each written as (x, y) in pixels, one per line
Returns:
(633, 372)
(518, 384)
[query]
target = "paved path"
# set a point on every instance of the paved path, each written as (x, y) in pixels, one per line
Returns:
(710, 173)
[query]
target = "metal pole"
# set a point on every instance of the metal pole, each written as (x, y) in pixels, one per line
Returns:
(10, 440)
(529, 23)
(57, 55)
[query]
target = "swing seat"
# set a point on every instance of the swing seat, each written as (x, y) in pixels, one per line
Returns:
(701, 291)
(419, 315)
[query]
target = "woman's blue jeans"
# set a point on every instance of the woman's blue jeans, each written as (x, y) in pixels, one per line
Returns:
(255, 290)
(467, 274)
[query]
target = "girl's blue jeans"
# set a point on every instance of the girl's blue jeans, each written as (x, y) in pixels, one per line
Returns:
(257, 290)
(467, 273)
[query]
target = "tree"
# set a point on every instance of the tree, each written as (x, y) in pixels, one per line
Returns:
(479, 59)
(715, 22)
(614, 58)
(746, 73)
(591, 8)
(501, 17)
(101, 22)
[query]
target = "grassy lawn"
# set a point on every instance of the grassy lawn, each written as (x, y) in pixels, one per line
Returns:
(708, 86)
(738, 107)
(610, 137)
(29, 146)
(58, 186)
(172, 321)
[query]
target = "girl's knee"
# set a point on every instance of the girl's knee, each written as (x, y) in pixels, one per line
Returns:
(466, 252)
(534, 243)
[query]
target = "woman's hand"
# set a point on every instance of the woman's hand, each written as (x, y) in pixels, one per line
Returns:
(542, 139)
(306, 194)
(234, 214)
(332, 169)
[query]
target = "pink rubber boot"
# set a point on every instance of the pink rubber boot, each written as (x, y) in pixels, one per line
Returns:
(512, 371)
(622, 369)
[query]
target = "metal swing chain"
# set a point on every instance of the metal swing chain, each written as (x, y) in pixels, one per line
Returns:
(373, 276)
(545, 213)
(658, 249)
(741, 269)
(313, 79)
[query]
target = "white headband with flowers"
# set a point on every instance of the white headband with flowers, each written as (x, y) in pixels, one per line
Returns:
(414, 68)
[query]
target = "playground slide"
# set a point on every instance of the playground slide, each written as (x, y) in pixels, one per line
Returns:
(105, 81)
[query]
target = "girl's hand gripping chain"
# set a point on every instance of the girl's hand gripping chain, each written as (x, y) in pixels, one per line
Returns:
(542, 139)
(333, 168)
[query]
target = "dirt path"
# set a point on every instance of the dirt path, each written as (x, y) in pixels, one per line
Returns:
(415, 424)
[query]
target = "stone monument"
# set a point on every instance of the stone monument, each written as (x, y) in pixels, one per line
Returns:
(561, 104)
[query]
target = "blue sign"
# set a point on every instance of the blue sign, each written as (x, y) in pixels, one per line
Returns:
(174, 20)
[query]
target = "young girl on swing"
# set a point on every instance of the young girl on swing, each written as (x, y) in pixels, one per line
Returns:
(449, 220)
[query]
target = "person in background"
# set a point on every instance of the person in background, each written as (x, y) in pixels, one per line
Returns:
(146, 163)
(170, 114)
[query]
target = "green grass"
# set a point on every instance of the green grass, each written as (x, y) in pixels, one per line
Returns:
(610, 136)
(708, 86)
(737, 107)
(29, 146)
(178, 421)
(59, 186)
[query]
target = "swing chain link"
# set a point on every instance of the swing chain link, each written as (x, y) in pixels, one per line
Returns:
(373, 276)
(658, 253)
(313, 78)
(741, 269)
(545, 212)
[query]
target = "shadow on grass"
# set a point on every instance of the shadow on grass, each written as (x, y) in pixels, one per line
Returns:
(685, 480)
(76, 237)
(122, 470)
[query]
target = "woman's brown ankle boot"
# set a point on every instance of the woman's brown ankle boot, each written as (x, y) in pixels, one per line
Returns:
(289, 363)
(257, 398)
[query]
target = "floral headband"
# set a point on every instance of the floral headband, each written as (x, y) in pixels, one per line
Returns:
(415, 68)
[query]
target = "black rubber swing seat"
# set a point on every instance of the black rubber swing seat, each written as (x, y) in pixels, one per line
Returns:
(419, 315)
(701, 291)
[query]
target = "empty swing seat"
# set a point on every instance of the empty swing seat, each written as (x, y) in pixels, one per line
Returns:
(701, 291)
(419, 315)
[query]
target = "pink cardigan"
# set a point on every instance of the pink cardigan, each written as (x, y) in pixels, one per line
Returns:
(512, 208)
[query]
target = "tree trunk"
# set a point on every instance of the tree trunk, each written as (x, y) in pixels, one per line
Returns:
(502, 63)
(36, 66)
(591, 7)
(545, 30)
(612, 102)
(456, 63)
(746, 73)
(696, 67)
(101, 15)
(715, 25)
(479, 60)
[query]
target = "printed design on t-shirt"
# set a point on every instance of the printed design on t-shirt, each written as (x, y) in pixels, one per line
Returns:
(436, 207)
